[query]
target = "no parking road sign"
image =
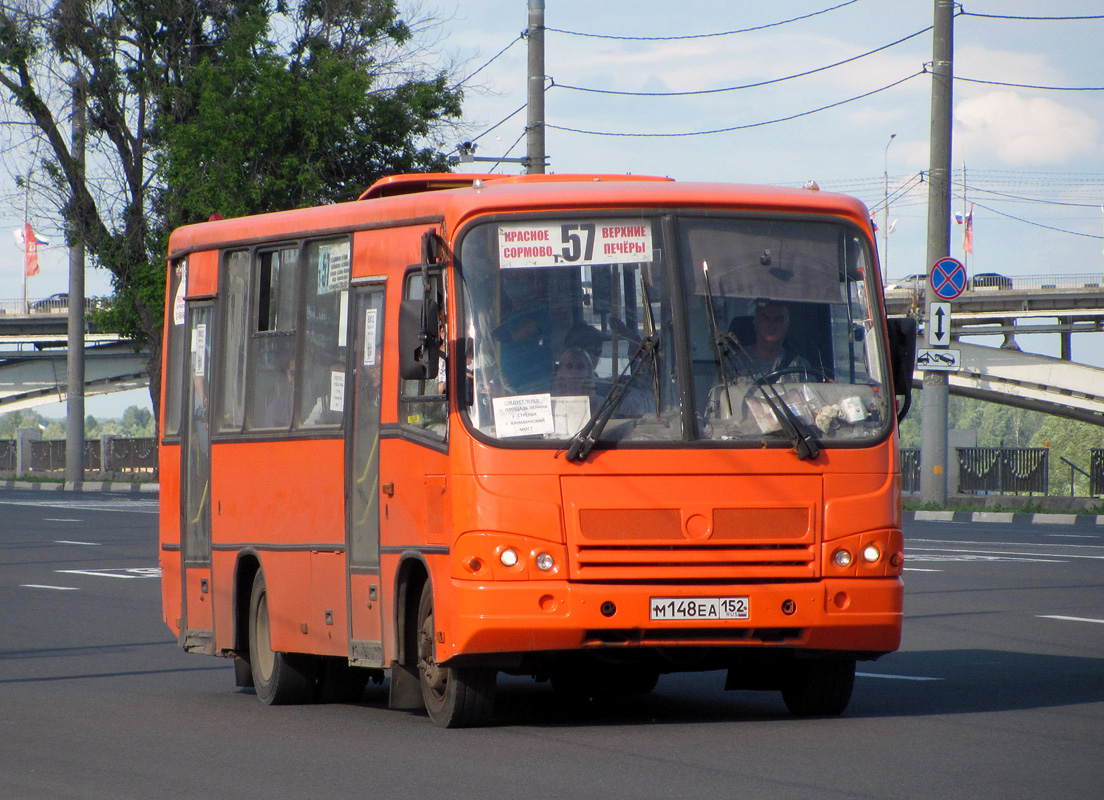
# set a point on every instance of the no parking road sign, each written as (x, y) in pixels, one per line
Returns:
(948, 278)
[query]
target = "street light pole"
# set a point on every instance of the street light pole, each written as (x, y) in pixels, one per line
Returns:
(885, 212)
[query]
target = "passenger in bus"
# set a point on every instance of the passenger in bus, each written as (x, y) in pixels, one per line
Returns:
(574, 374)
(587, 338)
(770, 350)
(525, 333)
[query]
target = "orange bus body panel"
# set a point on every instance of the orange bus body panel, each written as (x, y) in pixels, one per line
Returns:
(266, 493)
(203, 274)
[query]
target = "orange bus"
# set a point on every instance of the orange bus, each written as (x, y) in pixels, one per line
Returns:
(586, 428)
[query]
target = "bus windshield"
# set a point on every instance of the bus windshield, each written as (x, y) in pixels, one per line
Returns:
(712, 329)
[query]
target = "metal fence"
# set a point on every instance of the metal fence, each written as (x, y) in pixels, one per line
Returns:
(1005, 470)
(1096, 471)
(910, 469)
(7, 455)
(107, 456)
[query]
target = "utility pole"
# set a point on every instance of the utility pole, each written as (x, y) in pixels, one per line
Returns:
(535, 127)
(74, 416)
(933, 445)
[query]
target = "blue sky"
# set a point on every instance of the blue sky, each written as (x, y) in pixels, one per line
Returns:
(1033, 144)
(1034, 158)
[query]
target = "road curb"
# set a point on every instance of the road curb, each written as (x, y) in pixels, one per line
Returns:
(85, 486)
(1079, 520)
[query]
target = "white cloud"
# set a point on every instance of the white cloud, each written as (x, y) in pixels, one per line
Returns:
(1023, 130)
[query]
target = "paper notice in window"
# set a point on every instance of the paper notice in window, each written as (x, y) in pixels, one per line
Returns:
(523, 415)
(570, 413)
(337, 391)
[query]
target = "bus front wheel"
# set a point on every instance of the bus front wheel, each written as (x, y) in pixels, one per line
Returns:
(279, 678)
(819, 688)
(454, 697)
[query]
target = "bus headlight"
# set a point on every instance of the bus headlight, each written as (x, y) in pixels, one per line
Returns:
(545, 562)
(508, 557)
(871, 553)
(842, 558)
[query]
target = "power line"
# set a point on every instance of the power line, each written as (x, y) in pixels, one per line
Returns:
(741, 127)
(965, 13)
(1032, 86)
(699, 35)
(1020, 198)
(492, 60)
(502, 121)
(746, 85)
(1039, 224)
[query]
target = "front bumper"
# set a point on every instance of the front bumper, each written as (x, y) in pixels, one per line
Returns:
(858, 615)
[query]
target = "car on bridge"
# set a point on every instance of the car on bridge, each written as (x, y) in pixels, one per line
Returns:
(54, 303)
(990, 280)
(910, 283)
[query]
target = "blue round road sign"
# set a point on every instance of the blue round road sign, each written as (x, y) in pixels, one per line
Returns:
(948, 278)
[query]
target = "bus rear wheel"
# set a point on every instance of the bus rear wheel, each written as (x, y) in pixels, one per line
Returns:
(819, 688)
(454, 697)
(279, 678)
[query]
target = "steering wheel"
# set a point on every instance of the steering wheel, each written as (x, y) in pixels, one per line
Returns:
(818, 374)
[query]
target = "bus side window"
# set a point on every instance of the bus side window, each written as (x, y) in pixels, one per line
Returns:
(423, 404)
(272, 361)
(235, 338)
(326, 300)
(174, 370)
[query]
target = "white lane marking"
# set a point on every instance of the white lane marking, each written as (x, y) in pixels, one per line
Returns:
(961, 555)
(44, 586)
(85, 544)
(1072, 536)
(921, 569)
(61, 519)
(894, 677)
(1063, 554)
(1069, 619)
(129, 572)
(142, 506)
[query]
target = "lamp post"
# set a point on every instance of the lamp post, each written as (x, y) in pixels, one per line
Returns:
(885, 211)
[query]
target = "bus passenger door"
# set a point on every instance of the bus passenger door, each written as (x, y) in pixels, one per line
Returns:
(197, 628)
(362, 476)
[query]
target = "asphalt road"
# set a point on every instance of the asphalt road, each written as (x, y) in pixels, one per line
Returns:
(997, 692)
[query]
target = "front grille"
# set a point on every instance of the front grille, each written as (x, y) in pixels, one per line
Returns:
(654, 543)
(689, 528)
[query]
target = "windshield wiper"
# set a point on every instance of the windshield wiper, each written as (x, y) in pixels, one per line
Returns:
(583, 442)
(726, 345)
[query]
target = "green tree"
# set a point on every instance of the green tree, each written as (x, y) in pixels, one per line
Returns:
(193, 108)
(1073, 440)
(14, 421)
(137, 422)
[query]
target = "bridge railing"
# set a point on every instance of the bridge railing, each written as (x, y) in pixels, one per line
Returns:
(910, 469)
(1004, 470)
(7, 455)
(1096, 471)
(992, 282)
(108, 457)
(1001, 470)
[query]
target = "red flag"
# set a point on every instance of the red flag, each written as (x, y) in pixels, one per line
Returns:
(968, 236)
(30, 260)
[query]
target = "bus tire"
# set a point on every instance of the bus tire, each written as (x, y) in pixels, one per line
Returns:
(278, 678)
(819, 687)
(454, 697)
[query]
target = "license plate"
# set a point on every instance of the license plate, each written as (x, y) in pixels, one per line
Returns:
(682, 608)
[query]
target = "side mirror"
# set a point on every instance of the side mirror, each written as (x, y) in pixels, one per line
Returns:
(902, 358)
(419, 349)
